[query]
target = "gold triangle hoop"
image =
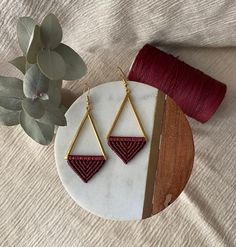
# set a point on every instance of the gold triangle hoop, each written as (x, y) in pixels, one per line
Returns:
(128, 99)
(88, 116)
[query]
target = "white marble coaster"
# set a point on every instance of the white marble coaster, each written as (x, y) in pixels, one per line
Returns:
(117, 190)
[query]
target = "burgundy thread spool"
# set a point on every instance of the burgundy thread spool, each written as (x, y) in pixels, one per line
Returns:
(196, 93)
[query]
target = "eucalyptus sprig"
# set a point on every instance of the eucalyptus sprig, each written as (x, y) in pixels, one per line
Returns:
(35, 101)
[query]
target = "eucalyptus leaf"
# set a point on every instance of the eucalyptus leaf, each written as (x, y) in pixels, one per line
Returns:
(63, 109)
(56, 83)
(51, 64)
(40, 132)
(75, 66)
(43, 96)
(35, 83)
(34, 108)
(11, 86)
(25, 27)
(28, 65)
(51, 31)
(35, 45)
(19, 63)
(53, 114)
(54, 92)
(10, 103)
(9, 118)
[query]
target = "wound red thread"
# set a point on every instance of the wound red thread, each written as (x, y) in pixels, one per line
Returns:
(196, 93)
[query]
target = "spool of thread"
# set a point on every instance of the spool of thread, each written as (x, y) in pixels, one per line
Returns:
(196, 93)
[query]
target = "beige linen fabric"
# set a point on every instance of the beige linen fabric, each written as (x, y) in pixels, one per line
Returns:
(35, 210)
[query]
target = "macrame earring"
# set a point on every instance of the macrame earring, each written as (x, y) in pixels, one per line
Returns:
(86, 166)
(126, 147)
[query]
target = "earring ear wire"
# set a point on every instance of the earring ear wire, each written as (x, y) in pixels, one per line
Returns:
(124, 79)
(87, 89)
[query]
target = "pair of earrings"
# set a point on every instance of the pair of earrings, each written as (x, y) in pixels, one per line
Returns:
(126, 147)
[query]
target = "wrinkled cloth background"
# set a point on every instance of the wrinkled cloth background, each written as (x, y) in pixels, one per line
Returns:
(35, 209)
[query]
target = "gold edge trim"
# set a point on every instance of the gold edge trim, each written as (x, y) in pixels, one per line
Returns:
(154, 155)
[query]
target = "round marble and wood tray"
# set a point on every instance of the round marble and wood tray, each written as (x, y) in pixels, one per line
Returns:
(154, 178)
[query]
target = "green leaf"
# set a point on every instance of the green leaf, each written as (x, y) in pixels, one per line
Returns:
(19, 63)
(51, 64)
(63, 109)
(75, 66)
(35, 83)
(11, 86)
(25, 27)
(54, 92)
(53, 114)
(44, 96)
(40, 132)
(34, 108)
(35, 45)
(9, 118)
(10, 103)
(51, 31)
(28, 65)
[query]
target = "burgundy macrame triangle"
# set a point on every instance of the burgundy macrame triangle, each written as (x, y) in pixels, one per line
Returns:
(126, 147)
(85, 166)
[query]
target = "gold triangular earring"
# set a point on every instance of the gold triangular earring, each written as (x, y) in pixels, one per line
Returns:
(126, 147)
(86, 165)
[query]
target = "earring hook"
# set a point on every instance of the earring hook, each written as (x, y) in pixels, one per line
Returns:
(124, 79)
(87, 88)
